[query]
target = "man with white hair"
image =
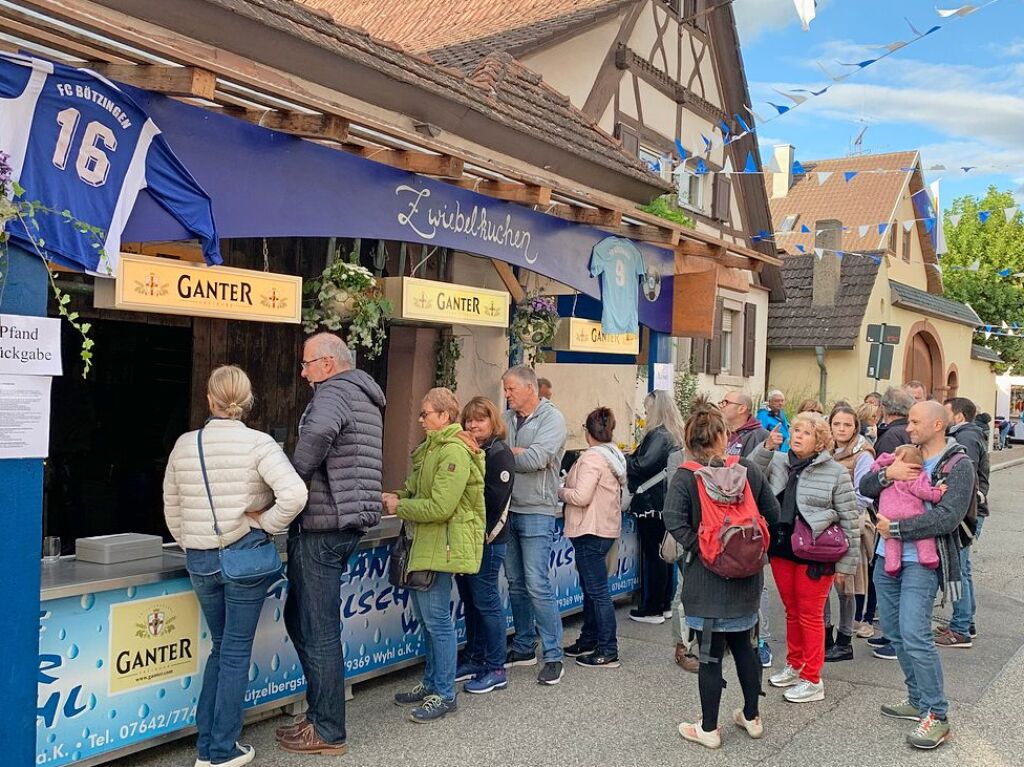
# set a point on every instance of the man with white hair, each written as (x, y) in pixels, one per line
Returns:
(905, 598)
(339, 453)
(774, 419)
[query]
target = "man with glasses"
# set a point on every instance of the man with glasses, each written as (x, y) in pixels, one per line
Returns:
(745, 430)
(339, 453)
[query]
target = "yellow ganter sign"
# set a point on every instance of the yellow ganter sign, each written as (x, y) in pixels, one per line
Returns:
(444, 302)
(578, 335)
(153, 640)
(166, 286)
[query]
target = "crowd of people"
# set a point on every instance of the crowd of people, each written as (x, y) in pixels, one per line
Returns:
(878, 503)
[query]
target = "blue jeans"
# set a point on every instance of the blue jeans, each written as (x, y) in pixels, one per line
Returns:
(312, 615)
(598, 612)
(963, 608)
(905, 611)
(232, 611)
(433, 609)
(531, 588)
(485, 617)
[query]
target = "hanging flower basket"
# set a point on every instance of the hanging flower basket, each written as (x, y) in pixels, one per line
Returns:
(347, 294)
(344, 305)
(534, 324)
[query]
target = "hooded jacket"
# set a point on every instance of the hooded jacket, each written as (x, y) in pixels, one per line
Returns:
(975, 442)
(593, 493)
(769, 421)
(340, 453)
(649, 459)
(444, 498)
(535, 490)
(891, 436)
(743, 441)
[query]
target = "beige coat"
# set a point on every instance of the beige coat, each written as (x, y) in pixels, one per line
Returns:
(247, 470)
(593, 497)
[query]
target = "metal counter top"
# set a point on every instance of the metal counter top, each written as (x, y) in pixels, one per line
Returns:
(70, 577)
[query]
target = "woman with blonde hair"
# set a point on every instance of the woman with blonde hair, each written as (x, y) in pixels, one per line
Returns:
(815, 490)
(663, 432)
(226, 487)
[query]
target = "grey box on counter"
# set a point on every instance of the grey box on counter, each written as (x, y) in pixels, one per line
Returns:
(123, 547)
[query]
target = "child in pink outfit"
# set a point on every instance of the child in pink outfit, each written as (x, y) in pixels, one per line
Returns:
(904, 499)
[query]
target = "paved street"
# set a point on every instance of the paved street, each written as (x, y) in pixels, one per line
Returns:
(629, 716)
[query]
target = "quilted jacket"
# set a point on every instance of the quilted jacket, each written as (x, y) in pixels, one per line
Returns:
(340, 453)
(247, 470)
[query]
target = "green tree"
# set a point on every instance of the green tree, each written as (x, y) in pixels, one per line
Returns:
(995, 245)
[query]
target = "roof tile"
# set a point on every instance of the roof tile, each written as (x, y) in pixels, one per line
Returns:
(910, 297)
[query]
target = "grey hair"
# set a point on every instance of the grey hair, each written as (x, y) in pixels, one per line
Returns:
(523, 373)
(897, 401)
(773, 392)
(330, 345)
(662, 411)
(746, 401)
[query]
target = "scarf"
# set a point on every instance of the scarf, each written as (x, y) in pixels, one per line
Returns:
(787, 498)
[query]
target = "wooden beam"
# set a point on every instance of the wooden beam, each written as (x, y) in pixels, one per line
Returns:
(323, 127)
(442, 165)
(79, 45)
(509, 279)
(174, 81)
(658, 235)
(704, 253)
(183, 251)
(592, 216)
(525, 194)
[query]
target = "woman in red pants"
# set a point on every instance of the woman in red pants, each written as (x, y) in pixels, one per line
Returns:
(810, 484)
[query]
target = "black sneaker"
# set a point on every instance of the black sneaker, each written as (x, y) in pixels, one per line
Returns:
(434, 707)
(520, 659)
(576, 649)
(973, 631)
(598, 660)
(551, 673)
(642, 616)
(879, 641)
(414, 697)
(839, 652)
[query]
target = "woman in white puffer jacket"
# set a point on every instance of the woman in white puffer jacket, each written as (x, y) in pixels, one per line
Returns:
(255, 491)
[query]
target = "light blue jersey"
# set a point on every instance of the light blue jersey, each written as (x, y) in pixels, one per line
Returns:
(619, 263)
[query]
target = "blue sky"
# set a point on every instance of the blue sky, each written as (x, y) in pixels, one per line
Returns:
(956, 95)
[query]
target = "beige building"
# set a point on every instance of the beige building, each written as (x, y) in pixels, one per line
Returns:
(646, 72)
(821, 220)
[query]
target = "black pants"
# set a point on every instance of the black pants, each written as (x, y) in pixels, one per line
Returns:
(710, 681)
(866, 605)
(655, 574)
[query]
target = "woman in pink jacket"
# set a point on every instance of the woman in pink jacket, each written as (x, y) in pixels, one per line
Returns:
(593, 521)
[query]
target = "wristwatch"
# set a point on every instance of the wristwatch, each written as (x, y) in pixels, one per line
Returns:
(883, 480)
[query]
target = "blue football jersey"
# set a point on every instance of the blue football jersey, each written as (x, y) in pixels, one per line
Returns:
(619, 263)
(77, 142)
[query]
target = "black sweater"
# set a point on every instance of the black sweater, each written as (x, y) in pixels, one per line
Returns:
(499, 474)
(705, 594)
(649, 459)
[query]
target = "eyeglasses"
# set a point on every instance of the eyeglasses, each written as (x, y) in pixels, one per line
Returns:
(425, 413)
(725, 402)
(306, 363)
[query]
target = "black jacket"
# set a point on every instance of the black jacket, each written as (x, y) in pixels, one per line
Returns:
(972, 437)
(705, 594)
(340, 453)
(647, 460)
(890, 438)
(499, 474)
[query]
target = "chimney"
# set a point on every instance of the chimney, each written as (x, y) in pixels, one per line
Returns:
(828, 238)
(783, 180)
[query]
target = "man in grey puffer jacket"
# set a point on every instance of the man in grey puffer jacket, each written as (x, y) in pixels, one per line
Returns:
(340, 455)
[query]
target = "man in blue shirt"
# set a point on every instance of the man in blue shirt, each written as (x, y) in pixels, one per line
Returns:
(772, 417)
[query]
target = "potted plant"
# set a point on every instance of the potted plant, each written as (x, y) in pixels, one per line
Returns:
(534, 324)
(348, 293)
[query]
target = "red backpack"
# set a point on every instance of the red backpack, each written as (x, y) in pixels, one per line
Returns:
(733, 537)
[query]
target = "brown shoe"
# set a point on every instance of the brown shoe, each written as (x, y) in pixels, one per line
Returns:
(306, 741)
(686, 661)
(289, 731)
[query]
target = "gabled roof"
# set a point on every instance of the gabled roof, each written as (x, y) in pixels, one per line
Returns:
(470, 29)
(798, 324)
(909, 297)
(983, 353)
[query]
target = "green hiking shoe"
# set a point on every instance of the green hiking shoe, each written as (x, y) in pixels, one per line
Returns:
(902, 710)
(930, 733)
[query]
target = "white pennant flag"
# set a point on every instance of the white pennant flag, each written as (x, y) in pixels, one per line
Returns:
(1010, 213)
(863, 230)
(806, 10)
(974, 267)
(955, 219)
(819, 252)
(773, 166)
(824, 176)
(727, 167)
(908, 225)
(963, 10)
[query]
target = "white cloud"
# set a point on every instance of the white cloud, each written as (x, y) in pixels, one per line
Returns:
(756, 16)
(1013, 49)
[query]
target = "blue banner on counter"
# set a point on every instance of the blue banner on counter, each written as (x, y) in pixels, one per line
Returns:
(269, 184)
(118, 668)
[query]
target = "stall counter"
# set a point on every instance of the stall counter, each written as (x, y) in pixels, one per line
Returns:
(122, 647)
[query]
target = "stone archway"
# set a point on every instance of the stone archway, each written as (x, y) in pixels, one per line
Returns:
(923, 359)
(952, 382)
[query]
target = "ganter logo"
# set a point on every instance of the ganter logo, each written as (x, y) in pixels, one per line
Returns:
(153, 640)
(151, 286)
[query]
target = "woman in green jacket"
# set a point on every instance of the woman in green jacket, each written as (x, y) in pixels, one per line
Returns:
(443, 502)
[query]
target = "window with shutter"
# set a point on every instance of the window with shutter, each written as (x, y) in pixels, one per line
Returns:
(749, 339)
(723, 199)
(907, 236)
(700, 354)
(715, 362)
(630, 139)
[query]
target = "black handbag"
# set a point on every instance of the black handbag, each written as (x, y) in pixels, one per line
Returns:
(261, 561)
(398, 567)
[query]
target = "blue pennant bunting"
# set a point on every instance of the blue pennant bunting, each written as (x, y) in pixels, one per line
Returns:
(726, 130)
(743, 124)
(882, 228)
(850, 175)
(798, 169)
(929, 225)
(1005, 272)
(780, 109)
(707, 142)
(983, 215)
(750, 166)
(966, 168)
(801, 248)
(804, 229)
(702, 169)
(860, 64)
(683, 154)
(877, 259)
(812, 92)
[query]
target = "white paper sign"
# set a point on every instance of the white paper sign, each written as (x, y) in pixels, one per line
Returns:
(29, 346)
(664, 376)
(24, 416)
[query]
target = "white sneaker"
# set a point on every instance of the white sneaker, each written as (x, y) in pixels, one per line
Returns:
(693, 732)
(667, 615)
(788, 677)
(805, 692)
(754, 727)
(202, 762)
(247, 755)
